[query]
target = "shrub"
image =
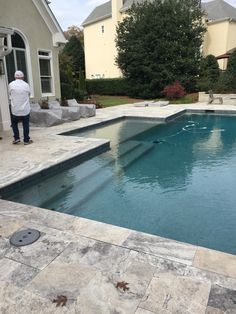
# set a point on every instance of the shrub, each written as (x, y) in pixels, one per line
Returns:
(209, 73)
(112, 87)
(224, 83)
(231, 66)
(174, 91)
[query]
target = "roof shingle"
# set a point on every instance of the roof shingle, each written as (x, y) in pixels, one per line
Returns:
(216, 10)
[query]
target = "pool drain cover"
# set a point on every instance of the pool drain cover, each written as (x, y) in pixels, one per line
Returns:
(24, 237)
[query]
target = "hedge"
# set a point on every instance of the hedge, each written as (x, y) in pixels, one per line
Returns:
(116, 86)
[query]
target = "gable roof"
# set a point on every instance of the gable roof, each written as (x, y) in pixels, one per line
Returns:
(51, 21)
(216, 10)
(101, 12)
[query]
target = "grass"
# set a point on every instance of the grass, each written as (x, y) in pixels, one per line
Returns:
(187, 99)
(109, 101)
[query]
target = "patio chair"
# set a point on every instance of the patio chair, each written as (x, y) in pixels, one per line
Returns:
(213, 98)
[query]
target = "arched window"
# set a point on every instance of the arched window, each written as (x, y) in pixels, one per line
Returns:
(16, 60)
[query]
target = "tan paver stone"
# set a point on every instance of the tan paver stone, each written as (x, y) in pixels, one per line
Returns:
(39, 254)
(142, 311)
(14, 300)
(212, 277)
(100, 231)
(9, 225)
(101, 296)
(162, 247)
(215, 261)
(176, 294)
(61, 279)
(4, 246)
(212, 310)
(16, 273)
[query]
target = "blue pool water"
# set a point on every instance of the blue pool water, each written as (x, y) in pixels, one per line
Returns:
(175, 180)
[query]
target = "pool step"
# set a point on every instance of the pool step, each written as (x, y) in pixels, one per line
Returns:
(89, 189)
(136, 154)
(92, 168)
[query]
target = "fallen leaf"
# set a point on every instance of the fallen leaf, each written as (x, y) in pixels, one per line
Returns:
(60, 300)
(122, 285)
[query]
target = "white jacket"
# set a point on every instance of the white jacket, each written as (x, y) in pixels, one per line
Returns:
(19, 92)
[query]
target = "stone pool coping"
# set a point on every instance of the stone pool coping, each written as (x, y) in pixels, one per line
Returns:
(85, 260)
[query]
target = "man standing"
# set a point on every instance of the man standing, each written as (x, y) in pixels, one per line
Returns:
(19, 92)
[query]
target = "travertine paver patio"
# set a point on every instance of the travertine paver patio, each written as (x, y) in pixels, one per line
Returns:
(84, 260)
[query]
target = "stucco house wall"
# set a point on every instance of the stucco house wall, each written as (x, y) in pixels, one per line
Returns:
(24, 17)
(214, 43)
(100, 50)
(232, 35)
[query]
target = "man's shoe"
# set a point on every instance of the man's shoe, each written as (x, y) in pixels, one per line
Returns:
(29, 142)
(16, 142)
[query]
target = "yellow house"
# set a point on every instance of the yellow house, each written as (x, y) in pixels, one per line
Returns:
(100, 33)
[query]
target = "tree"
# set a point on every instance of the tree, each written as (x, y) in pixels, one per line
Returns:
(158, 43)
(231, 66)
(75, 51)
(209, 73)
(75, 31)
(72, 68)
(231, 72)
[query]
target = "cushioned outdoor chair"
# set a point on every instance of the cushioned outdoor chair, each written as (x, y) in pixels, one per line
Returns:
(213, 98)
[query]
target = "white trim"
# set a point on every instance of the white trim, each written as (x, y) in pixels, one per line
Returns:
(51, 22)
(50, 58)
(28, 61)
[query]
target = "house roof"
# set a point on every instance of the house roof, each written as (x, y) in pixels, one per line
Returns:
(227, 54)
(101, 12)
(50, 20)
(216, 10)
(219, 10)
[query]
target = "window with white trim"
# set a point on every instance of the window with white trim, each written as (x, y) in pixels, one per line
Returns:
(16, 60)
(45, 71)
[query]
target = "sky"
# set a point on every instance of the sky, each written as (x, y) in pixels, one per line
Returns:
(74, 12)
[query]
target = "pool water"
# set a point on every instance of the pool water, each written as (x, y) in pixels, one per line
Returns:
(175, 180)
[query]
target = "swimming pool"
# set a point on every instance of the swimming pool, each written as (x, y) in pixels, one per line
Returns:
(175, 180)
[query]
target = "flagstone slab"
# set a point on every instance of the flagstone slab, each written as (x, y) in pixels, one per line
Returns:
(176, 294)
(215, 261)
(142, 311)
(101, 296)
(14, 300)
(107, 258)
(9, 225)
(222, 299)
(100, 231)
(61, 279)
(4, 246)
(39, 254)
(16, 273)
(162, 247)
(212, 277)
(212, 310)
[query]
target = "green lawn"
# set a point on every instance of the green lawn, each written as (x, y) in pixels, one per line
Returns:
(109, 101)
(187, 99)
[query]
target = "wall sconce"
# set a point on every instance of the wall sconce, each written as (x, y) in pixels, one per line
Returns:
(2, 69)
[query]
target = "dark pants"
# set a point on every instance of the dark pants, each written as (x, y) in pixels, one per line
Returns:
(14, 124)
